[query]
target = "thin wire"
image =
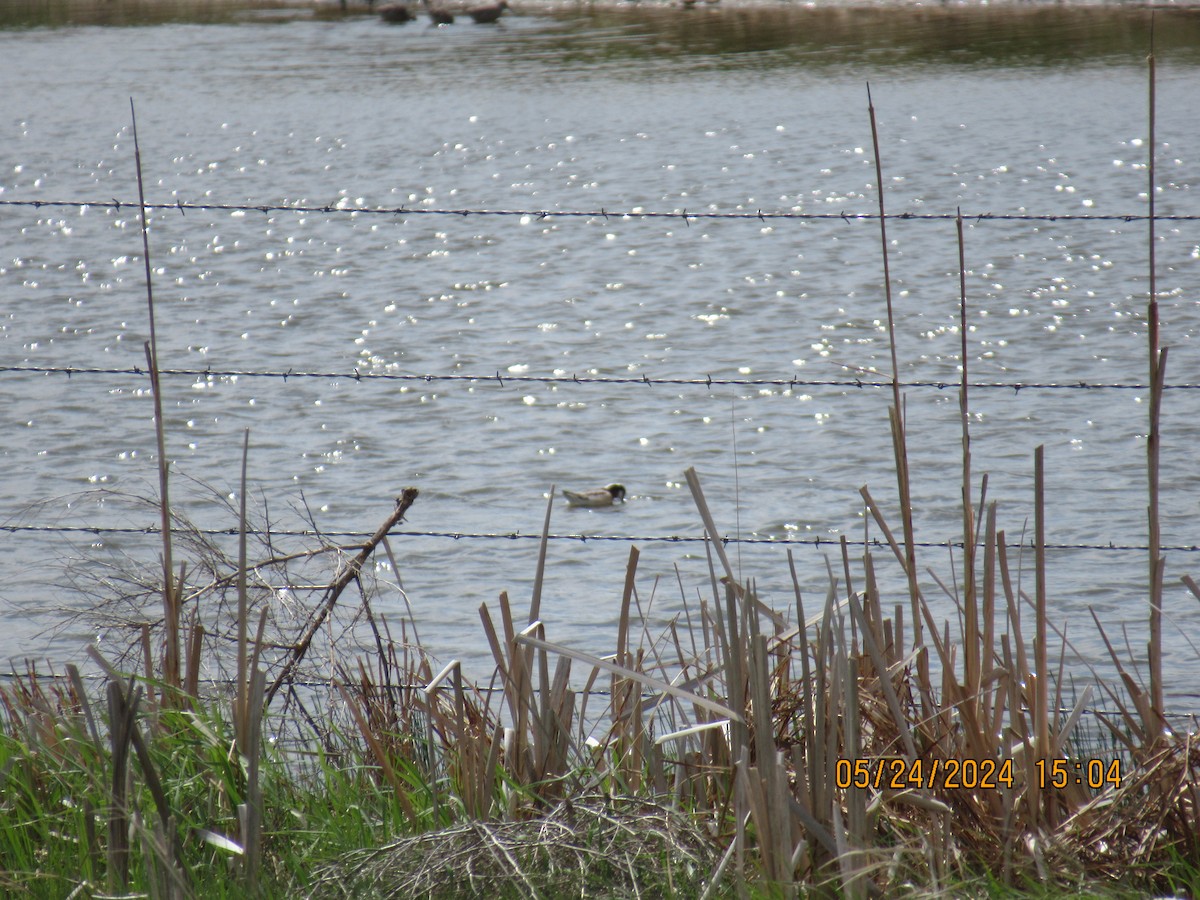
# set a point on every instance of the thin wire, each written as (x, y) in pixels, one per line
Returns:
(501, 380)
(602, 213)
(149, 530)
(478, 688)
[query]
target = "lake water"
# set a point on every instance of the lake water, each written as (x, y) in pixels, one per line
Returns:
(571, 109)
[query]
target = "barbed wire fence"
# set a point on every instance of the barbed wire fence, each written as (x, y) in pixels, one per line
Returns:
(868, 380)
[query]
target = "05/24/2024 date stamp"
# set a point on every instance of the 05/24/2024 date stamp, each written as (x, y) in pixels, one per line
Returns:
(895, 773)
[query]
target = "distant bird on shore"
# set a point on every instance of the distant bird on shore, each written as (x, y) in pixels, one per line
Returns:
(489, 13)
(396, 13)
(605, 496)
(439, 15)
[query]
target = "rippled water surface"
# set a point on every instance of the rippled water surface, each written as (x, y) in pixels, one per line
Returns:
(1002, 113)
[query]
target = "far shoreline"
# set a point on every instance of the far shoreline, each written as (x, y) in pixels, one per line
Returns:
(24, 14)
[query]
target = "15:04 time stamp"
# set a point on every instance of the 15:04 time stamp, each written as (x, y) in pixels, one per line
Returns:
(1094, 773)
(895, 773)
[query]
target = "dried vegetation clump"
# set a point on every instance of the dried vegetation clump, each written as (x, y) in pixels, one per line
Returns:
(593, 846)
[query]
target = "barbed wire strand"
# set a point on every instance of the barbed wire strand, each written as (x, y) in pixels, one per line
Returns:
(502, 379)
(876, 543)
(601, 213)
(310, 684)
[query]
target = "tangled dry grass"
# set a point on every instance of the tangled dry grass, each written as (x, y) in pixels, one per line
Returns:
(591, 846)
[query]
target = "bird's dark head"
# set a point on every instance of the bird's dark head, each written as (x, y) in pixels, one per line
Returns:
(617, 490)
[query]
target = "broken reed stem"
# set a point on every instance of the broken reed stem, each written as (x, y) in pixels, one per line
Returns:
(349, 574)
(1158, 360)
(901, 443)
(170, 597)
(535, 602)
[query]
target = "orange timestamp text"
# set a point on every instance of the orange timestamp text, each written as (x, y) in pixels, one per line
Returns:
(895, 773)
(1094, 773)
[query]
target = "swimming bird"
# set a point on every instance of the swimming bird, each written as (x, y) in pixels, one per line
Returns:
(489, 13)
(605, 496)
(439, 15)
(396, 13)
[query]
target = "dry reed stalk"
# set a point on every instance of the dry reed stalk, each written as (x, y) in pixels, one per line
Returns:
(518, 689)
(1135, 720)
(81, 702)
(167, 880)
(885, 685)
(1158, 365)
(989, 656)
(168, 855)
(195, 650)
(653, 684)
(249, 700)
(625, 704)
(807, 691)
(147, 661)
(736, 676)
(855, 801)
(382, 757)
(241, 702)
(450, 735)
(973, 664)
(250, 813)
(899, 438)
(775, 829)
(729, 627)
(121, 713)
(556, 708)
(820, 737)
(535, 603)
(538, 741)
(1041, 698)
(170, 594)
